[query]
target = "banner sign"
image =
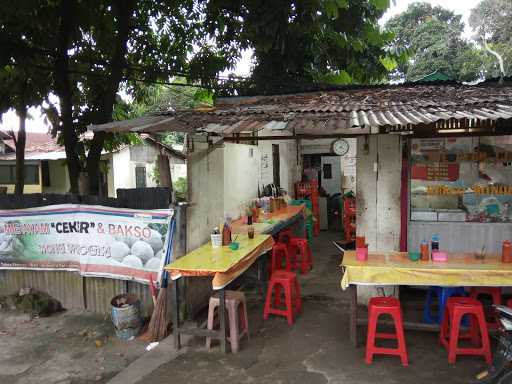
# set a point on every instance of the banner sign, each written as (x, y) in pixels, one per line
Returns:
(93, 240)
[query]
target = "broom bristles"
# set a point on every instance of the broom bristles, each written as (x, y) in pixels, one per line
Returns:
(159, 323)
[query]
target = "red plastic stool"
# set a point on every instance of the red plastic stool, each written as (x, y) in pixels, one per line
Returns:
(285, 236)
(280, 251)
(293, 303)
(456, 308)
(300, 247)
(385, 305)
(495, 293)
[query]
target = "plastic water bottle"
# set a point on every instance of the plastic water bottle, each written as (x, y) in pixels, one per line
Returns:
(434, 245)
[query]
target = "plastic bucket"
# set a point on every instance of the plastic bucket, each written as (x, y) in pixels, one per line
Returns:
(126, 316)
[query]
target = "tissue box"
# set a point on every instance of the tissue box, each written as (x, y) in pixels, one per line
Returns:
(439, 256)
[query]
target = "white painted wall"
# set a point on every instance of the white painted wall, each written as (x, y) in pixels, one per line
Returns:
(122, 170)
(378, 198)
(59, 179)
(205, 169)
(348, 161)
(241, 165)
(332, 185)
(289, 169)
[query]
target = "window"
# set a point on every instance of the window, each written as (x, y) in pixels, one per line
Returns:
(8, 174)
(461, 179)
(140, 177)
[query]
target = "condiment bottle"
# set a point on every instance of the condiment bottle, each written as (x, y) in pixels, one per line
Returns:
(506, 252)
(226, 234)
(435, 243)
(424, 250)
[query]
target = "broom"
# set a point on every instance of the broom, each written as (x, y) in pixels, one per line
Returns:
(159, 323)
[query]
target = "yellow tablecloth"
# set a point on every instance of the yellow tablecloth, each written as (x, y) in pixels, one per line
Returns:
(223, 264)
(270, 220)
(395, 268)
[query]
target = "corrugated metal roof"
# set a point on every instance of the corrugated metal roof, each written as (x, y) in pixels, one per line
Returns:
(354, 111)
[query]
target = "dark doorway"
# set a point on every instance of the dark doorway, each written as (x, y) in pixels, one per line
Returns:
(276, 165)
(140, 177)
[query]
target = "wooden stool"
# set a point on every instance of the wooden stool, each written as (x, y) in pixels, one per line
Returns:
(238, 325)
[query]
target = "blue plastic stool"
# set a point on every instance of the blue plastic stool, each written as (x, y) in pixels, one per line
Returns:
(442, 293)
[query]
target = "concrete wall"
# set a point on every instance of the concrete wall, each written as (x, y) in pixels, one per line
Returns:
(241, 165)
(59, 179)
(289, 169)
(122, 166)
(460, 237)
(348, 161)
(379, 166)
(205, 169)
(333, 184)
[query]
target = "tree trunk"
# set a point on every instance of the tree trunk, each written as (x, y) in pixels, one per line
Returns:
(64, 91)
(20, 152)
(123, 10)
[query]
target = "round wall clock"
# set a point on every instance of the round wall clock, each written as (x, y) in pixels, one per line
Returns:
(340, 147)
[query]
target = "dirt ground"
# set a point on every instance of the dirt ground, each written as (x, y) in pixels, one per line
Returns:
(316, 349)
(78, 347)
(70, 347)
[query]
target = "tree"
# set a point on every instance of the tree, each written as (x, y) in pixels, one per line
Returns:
(433, 37)
(298, 44)
(21, 85)
(491, 22)
(94, 47)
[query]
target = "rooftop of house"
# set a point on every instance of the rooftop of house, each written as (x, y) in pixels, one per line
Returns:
(348, 110)
(42, 146)
(38, 146)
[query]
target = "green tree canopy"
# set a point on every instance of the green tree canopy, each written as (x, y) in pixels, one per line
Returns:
(299, 43)
(433, 37)
(91, 48)
(491, 20)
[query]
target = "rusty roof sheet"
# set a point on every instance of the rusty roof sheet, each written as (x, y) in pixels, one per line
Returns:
(351, 111)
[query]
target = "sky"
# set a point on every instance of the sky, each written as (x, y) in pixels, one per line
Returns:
(243, 68)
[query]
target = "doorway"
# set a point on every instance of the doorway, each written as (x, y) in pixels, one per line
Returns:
(276, 165)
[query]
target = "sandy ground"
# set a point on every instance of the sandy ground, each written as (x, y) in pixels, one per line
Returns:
(316, 349)
(70, 347)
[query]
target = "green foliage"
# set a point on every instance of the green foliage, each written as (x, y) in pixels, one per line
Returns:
(180, 188)
(491, 22)
(432, 36)
(298, 44)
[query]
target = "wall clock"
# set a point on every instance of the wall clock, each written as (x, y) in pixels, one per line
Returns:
(340, 147)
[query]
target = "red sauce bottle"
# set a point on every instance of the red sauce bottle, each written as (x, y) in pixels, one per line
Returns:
(506, 252)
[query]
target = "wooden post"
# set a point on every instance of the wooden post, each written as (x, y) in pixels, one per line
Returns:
(165, 173)
(353, 314)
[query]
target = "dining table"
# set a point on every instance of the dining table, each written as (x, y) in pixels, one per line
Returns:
(224, 265)
(468, 269)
